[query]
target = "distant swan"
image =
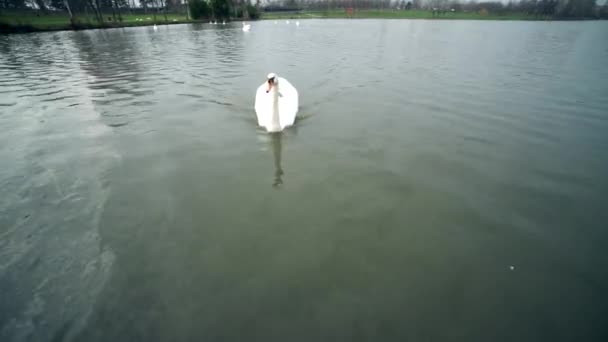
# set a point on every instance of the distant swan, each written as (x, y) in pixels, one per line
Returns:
(276, 103)
(246, 27)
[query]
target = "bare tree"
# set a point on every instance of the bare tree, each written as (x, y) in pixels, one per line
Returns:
(66, 3)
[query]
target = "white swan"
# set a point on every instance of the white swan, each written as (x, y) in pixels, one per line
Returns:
(246, 27)
(297, 23)
(276, 103)
(155, 27)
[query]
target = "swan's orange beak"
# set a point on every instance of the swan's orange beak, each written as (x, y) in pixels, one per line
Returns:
(270, 84)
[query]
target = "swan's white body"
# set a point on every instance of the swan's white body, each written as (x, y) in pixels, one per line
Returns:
(246, 27)
(276, 108)
(297, 23)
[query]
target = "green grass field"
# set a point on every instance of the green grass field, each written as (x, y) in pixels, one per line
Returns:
(392, 14)
(32, 22)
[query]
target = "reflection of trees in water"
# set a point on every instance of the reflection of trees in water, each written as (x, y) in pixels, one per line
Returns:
(8, 56)
(229, 64)
(42, 71)
(32, 60)
(114, 61)
(108, 55)
(11, 65)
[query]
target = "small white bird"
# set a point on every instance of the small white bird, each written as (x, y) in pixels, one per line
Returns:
(246, 27)
(297, 23)
(286, 21)
(155, 27)
(223, 22)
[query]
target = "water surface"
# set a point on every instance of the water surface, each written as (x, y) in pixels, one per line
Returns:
(445, 182)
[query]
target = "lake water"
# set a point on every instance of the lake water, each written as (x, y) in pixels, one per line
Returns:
(446, 181)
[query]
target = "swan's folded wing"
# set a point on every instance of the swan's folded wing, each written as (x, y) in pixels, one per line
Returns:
(288, 103)
(263, 105)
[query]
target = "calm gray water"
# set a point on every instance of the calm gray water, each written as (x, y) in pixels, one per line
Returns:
(446, 181)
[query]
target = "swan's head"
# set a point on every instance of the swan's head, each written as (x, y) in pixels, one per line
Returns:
(272, 81)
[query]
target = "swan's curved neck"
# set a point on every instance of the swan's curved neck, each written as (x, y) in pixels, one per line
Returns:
(276, 124)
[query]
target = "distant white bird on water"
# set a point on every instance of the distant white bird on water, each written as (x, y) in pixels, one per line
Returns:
(286, 21)
(276, 103)
(297, 23)
(246, 27)
(223, 22)
(155, 27)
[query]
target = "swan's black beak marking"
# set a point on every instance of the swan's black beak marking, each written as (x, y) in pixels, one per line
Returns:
(270, 84)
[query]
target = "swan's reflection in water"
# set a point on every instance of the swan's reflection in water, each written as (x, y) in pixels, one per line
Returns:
(277, 149)
(276, 141)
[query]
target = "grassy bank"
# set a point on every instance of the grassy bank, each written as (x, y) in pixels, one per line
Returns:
(29, 22)
(394, 14)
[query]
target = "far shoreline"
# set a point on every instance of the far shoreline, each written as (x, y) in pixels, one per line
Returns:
(37, 25)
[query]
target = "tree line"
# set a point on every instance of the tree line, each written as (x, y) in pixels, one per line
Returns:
(113, 10)
(101, 10)
(223, 9)
(549, 9)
